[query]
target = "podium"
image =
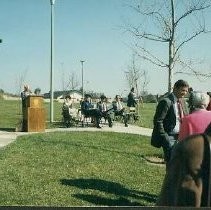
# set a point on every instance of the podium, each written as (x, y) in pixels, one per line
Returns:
(33, 114)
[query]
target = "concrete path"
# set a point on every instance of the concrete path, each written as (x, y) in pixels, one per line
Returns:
(8, 137)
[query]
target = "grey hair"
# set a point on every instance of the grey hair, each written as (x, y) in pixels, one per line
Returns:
(199, 100)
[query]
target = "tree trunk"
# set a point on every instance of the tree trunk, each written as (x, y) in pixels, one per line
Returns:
(171, 48)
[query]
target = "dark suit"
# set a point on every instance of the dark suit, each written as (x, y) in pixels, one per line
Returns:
(131, 102)
(164, 124)
(88, 111)
(187, 179)
(120, 112)
(107, 114)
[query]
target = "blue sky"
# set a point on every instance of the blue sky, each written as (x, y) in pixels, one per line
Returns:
(84, 30)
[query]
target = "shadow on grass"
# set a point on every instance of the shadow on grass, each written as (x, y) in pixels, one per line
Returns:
(8, 129)
(124, 195)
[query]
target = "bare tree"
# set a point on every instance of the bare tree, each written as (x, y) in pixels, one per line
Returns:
(70, 81)
(145, 81)
(136, 77)
(73, 82)
(172, 24)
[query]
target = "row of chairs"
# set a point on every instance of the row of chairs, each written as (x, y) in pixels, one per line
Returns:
(74, 117)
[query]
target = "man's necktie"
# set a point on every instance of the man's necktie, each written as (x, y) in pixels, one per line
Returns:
(180, 109)
(104, 107)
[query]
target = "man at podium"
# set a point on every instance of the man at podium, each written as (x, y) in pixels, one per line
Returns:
(26, 92)
(33, 111)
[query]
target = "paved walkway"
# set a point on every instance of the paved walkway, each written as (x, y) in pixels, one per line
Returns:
(8, 137)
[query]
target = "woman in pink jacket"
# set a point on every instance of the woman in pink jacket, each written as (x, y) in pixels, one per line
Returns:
(199, 119)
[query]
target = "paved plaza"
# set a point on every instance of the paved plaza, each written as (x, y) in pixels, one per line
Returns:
(8, 137)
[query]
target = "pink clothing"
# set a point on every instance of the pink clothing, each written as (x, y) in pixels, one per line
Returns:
(194, 123)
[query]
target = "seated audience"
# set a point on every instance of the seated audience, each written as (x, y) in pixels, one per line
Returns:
(119, 109)
(199, 119)
(104, 110)
(67, 110)
(68, 102)
(88, 110)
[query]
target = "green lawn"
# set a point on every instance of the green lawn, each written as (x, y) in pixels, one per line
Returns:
(79, 169)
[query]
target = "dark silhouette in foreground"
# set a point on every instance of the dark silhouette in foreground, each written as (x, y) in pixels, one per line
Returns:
(188, 178)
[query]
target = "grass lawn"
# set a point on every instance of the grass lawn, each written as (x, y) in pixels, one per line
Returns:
(79, 169)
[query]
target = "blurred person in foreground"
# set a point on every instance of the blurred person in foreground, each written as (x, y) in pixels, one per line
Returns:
(199, 119)
(187, 181)
(169, 113)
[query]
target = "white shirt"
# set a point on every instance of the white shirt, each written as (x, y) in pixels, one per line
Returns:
(119, 105)
(176, 111)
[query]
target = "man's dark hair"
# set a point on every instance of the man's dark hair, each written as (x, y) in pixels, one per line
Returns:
(117, 96)
(181, 83)
(87, 96)
(209, 94)
(103, 97)
(67, 96)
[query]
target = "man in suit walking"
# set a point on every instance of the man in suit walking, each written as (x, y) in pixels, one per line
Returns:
(169, 113)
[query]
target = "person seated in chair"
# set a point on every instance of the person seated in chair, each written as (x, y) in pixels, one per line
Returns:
(104, 110)
(119, 109)
(67, 110)
(87, 109)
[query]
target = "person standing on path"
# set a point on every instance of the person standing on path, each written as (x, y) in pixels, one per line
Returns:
(131, 102)
(167, 119)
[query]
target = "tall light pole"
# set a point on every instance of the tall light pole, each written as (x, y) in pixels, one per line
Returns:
(82, 77)
(52, 62)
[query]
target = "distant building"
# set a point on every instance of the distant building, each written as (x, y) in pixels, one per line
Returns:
(59, 95)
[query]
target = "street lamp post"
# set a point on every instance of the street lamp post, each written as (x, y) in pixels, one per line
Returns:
(52, 62)
(82, 77)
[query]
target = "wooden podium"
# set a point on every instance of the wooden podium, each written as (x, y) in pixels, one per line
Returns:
(34, 114)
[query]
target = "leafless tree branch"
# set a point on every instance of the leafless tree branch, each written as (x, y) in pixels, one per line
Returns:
(189, 39)
(193, 8)
(150, 57)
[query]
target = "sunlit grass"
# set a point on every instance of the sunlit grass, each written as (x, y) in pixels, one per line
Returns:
(79, 169)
